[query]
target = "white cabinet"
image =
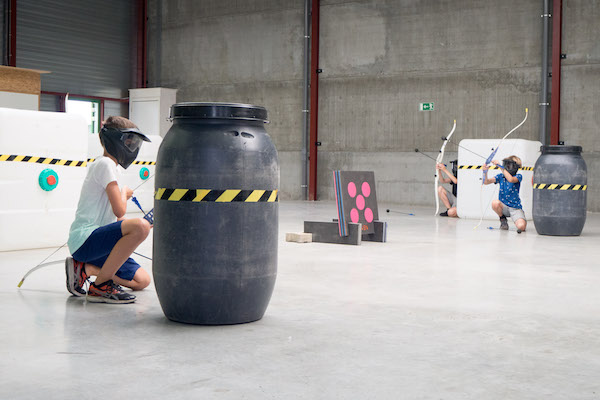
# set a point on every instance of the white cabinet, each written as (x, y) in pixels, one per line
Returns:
(149, 109)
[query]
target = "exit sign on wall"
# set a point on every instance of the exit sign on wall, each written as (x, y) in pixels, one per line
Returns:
(426, 107)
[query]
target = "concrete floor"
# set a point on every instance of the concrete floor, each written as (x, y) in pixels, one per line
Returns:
(441, 311)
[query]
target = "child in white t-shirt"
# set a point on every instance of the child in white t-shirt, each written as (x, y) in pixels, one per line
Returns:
(100, 239)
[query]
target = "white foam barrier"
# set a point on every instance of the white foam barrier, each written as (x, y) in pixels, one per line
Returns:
(30, 143)
(472, 199)
(95, 148)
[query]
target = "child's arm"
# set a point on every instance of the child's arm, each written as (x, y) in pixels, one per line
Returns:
(118, 198)
(509, 177)
(440, 167)
(487, 180)
(451, 177)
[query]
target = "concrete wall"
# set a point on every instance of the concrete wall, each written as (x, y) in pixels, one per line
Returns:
(237, 51)
(478, 61)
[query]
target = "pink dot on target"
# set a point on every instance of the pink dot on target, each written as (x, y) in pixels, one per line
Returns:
(352, 189)
(366, 189)
(354, 215)
(360, 202)
(369, 215)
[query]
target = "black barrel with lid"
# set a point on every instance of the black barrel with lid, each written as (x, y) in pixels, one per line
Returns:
(560, 191)
(216, 214)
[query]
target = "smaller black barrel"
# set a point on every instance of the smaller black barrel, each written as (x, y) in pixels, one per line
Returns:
(560, 191)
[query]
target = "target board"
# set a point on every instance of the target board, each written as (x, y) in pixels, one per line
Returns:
(356, 200)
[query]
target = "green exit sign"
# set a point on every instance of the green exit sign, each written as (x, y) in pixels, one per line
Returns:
(426, 107)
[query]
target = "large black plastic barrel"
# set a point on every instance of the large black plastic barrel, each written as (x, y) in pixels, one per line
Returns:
(560, 191)
(216, 215)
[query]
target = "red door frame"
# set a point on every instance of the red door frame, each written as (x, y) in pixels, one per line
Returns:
(11, 48)
(142, 44)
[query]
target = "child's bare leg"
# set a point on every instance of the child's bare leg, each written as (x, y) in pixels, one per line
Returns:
(497, 206)
(140, 280)
(91, 270)
(452, 212)
(521, 224)
(134, 231)
(444, 197)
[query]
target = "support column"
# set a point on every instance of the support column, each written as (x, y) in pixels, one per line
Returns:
(314, 99)
(141, 44)
(544, 92)
(11, 45)
(556, 67)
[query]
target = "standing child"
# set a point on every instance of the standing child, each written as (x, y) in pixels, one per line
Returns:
(100, 239)
(508, 203)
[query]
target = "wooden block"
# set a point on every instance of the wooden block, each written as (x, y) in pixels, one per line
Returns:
(301, 237)
(328, 232)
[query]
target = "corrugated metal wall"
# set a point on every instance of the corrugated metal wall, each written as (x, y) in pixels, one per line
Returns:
(115, 108)
(87, 45)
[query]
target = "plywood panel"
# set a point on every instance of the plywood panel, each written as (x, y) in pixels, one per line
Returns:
(20, 80)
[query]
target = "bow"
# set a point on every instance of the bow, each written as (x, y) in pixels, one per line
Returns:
(439, 161)
(491, 157)
(148, 216)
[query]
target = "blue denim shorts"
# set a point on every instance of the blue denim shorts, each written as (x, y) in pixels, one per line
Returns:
(99, 244)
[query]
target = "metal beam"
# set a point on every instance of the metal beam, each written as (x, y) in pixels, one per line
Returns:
(544, 104)
(306, 102)
(11, 45)
(314, 99)
(142, 44)
(556, 67)
(84, 96)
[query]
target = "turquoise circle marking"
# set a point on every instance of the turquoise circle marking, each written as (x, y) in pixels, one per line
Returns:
(48, 179)
(144, 173)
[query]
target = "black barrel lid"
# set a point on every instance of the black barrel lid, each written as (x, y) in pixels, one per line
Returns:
(219, 111)
(560, 149)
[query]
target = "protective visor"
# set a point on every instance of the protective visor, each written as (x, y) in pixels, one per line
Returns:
(511, 166)
(133, 139)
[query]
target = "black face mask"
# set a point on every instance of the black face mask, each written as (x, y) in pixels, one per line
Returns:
(511, 166)
(123, 144)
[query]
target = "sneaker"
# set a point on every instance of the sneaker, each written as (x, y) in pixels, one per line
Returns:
(444, 214)
(108, 292)
(76, 276)
(503, 223)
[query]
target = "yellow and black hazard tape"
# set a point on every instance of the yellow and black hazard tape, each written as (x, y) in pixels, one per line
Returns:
(217, 196)
(91, 160)
(42, 160)
(491, 167)
(555, 186)
(57, 161)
